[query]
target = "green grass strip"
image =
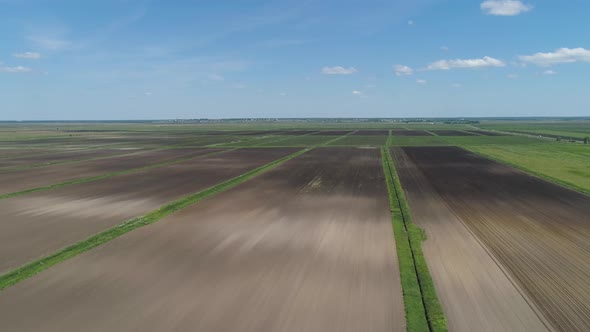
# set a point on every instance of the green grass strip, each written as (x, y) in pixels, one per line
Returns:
(107, 175)
(46, 262)
(389, 141)
(423, 309)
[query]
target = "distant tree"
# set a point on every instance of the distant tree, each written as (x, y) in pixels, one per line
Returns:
(586, 140)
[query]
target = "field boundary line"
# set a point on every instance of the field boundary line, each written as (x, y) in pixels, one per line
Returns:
(423, 309)
(108, 175)
(28, 270)
(530, 172)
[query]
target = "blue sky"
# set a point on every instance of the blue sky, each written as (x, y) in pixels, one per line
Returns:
(131, 59)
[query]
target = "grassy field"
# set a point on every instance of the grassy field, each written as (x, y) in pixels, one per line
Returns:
(578, 129)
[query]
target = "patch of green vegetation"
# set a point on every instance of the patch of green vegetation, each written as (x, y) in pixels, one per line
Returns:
(563, 163)
(423, 309)
(352, 140)
(574, 128)
(462, 140)
(418, 141)
(104, 176)
(44, 263)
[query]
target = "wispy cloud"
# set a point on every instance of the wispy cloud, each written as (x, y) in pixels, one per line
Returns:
(505, 7)
(562, 55)
(17, 69)
(421, 81)
(27, 55)
(401, 70)
(338, 70)
(549, 72)
(465, 63)
(456, 85)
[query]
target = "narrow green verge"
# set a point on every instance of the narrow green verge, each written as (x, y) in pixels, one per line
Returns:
(46, 262)
(423, 309)
(389, 140)
(107, 175)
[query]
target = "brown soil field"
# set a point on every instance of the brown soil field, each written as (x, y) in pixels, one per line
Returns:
(410, 133)
(14, 181)
(37, 224)
(61, 156)
(537, 231)
(451, 133)
(333, 132)
(307, 246)
(371, 133)
(475, 293)
(486, 133)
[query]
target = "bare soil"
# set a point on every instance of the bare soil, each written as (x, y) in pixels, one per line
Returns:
(333, 132)
(538, 231)
(15, 181)
(307, 246)
(371, 133)
(37, 224)
(410, 133)
(451, 133)
(60, 156)
(475, 293)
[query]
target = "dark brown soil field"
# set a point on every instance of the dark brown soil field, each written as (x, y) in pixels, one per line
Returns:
(333, 132)
(410, 133)
(538, 232)
(475, 293)
(38, 177)
(307, 246)
(451, 133)
(486, 133)
(61, 156)
(371, 133)
(37, 224)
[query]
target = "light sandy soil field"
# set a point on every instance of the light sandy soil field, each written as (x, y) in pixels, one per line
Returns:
(37, 224)
(307, 246)
(537, 231)
(60, 157)
(19, 180)
(475, 293)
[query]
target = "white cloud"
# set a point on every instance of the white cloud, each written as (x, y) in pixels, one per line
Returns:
(401, 70)
(456, 85)
(148, 93)
(338, 70)
(17, 69)
(562, 55)
(410, 22)
(512, 76)
(423, 82)
(216, 77)
(283, 94)
(444, 48)
(356, 92)
(549, 72)
(505, 7)
(466, 63)
(28, 55)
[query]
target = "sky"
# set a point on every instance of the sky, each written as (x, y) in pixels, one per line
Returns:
(167, 59)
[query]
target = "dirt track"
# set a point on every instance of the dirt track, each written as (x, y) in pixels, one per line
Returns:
(38, 177)
(37, 224)
(538, 231)
(305, 247)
